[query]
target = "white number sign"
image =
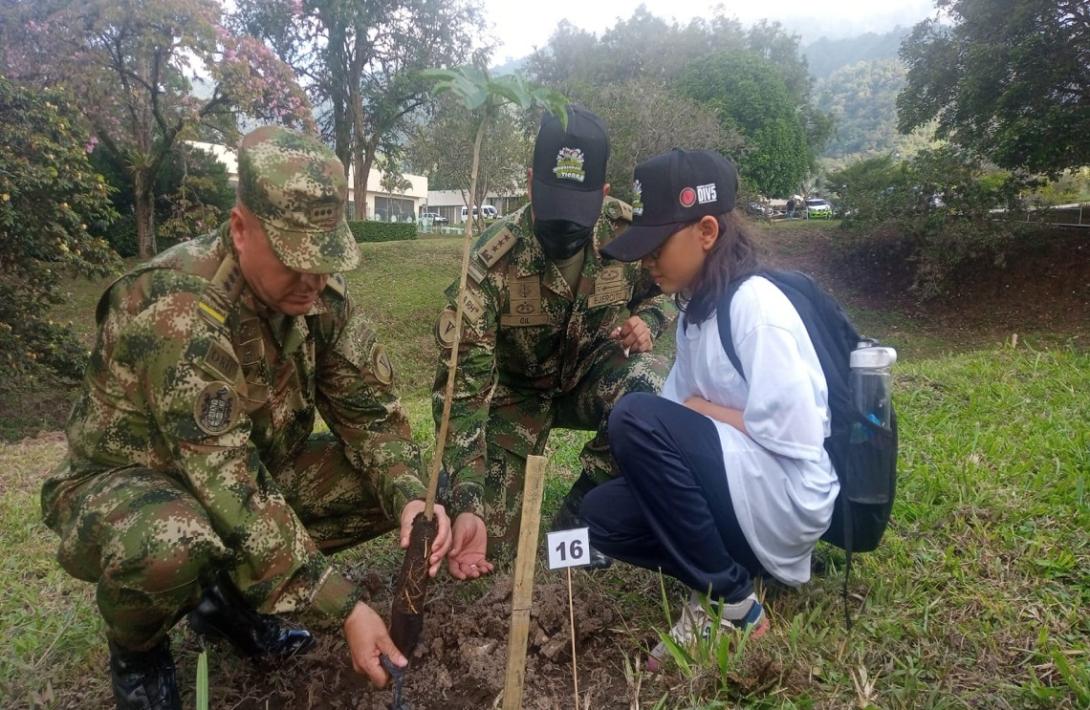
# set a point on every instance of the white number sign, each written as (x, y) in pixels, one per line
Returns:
(569, 548)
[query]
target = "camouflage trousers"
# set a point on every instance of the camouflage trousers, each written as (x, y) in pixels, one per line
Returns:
(520, 420)
(149, 546)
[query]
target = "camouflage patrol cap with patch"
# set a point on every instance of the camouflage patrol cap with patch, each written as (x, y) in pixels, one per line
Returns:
(296, 186)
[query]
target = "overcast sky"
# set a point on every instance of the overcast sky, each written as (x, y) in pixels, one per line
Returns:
(520, 25)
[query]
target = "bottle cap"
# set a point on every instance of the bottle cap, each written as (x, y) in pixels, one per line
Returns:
(873, 358)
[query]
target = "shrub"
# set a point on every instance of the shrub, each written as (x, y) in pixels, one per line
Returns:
(922, 222)
(373, 231)
(53, 207)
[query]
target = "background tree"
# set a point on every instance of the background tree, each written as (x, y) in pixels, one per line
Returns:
(1007, 79)
(825, 56)
(485, 97)
(360, 63)
(636, 76)
(53, 206)
(646, 118)
(442, 149)
(393, 180)
(750, 97)
(193, 194)
(862, 100)
(130, 67)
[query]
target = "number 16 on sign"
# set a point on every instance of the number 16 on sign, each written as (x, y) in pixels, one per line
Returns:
(569, 548)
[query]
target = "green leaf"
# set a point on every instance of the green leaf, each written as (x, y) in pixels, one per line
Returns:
(680, 655)
(513, 88)
(1077, 679)
(202, 681)
(554, 102)
(437, 75)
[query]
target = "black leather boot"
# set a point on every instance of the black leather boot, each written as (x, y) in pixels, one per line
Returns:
(223, 613)
(568, 517)
(144, 680)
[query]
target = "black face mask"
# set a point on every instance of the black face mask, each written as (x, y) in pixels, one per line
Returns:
(559, 238)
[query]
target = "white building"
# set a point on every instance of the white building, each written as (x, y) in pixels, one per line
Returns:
(449, 203)
(402, 206)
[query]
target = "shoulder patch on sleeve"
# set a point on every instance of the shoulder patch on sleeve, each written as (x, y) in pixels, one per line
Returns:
(445, 327)
(211, 313)
(472, 308)
(216, 408)
(220, 362)
(476, 271)
(381, 365)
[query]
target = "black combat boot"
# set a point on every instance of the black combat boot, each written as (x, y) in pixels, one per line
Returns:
(144, 680)
(223, 613)
(568, 517)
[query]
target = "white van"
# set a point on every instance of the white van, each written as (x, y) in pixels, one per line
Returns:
(488, 212)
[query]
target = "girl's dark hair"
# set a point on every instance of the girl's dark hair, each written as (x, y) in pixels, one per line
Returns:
(733, 256)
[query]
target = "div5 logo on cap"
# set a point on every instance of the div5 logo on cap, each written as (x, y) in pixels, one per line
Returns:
(706, 193)
(569, 165)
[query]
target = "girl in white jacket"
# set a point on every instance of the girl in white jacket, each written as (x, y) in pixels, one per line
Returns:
(723, 477)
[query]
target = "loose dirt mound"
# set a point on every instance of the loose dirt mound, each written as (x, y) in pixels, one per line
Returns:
(461, 659)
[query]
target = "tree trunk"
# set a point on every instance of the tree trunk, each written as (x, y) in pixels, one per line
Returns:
(363, 161)
(473, 173)
(357, 115)
(144, 203)
(338, 69)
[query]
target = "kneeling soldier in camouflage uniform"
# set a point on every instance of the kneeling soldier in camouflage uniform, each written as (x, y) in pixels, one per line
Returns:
(554, 334)
(192, 482)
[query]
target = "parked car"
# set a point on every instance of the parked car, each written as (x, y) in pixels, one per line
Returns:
(488, 212)
(435, 217)
(817, 208)
(759, 209)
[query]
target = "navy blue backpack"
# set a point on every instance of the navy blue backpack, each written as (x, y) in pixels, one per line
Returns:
(863, 453)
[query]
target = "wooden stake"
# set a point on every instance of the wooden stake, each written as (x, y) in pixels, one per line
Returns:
(523, 593)
(571, 617)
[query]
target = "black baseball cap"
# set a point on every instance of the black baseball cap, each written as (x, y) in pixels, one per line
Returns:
(570, 168)
(672, 190)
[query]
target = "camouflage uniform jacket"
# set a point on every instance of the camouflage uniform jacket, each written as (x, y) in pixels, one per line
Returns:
(526, 329)
(192, 376)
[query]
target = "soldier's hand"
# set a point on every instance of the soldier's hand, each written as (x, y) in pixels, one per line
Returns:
(367, 640)
(634, 335)
(440, 545)
(467, 556)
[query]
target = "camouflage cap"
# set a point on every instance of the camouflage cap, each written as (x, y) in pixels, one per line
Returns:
(296, 186)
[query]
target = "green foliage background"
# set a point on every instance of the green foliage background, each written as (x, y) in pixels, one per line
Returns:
(193, 196)
(53, 210)
(749, 95)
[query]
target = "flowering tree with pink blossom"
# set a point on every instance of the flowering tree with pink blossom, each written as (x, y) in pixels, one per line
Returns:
(360, 63)
(145, 75)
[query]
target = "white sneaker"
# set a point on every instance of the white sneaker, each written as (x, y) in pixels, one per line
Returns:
(746, 614)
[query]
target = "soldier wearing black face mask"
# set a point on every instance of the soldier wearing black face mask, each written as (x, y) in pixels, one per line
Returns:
(555, 333)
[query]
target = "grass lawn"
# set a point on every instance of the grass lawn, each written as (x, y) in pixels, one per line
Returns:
(976, 598)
